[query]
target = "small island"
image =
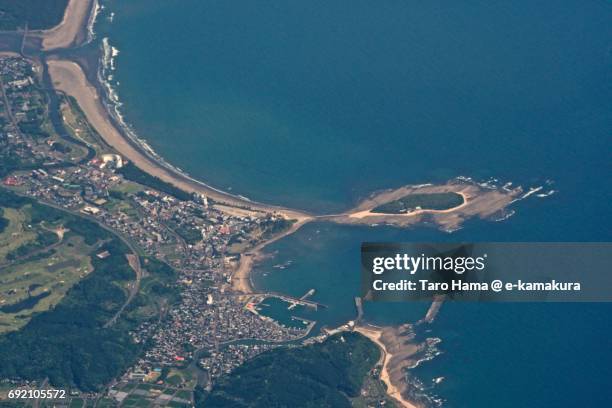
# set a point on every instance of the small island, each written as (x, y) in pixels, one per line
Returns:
(415, 202)
(445, 206)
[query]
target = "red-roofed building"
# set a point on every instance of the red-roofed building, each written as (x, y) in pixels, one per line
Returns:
(11, 181)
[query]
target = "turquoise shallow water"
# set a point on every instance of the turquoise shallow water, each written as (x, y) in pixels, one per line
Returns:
(316, 104)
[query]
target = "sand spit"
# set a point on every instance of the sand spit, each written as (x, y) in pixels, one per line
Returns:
(68, 77)
(9, 54)
(70, 30)
(482, 202)
(478, 201)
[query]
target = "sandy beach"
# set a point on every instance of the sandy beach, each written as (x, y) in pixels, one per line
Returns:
(369, 213)
(67, 32)
(241, 278)
(392, 390)
(398, 350)
(68, 77)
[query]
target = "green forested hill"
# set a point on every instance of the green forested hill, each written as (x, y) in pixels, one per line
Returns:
(320, 375)
(39, 14)
(70, 344)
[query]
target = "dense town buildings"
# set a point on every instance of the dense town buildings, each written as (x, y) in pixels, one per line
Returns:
(200, 241)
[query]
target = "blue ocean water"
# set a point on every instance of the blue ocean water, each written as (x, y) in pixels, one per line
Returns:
(316, 104)
(493, 354)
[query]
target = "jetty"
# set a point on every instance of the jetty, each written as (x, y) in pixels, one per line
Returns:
(303, 298)
(359, 307)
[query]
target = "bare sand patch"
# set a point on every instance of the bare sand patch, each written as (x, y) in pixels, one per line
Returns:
(66, 33)
(395, 357)
(9, 54)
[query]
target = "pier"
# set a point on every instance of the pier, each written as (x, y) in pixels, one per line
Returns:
(293, 301)
(359, 307)
(304, 298)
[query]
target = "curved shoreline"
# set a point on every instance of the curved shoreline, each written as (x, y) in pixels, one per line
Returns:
(68, 77)
(371, 213)
(76, 17)
(242, 279)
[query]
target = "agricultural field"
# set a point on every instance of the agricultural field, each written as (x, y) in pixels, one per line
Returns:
(145, 395)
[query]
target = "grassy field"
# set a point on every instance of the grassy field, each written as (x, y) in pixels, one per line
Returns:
(61, 296)
(122, 206)
(431, 201)
(106, 402)
(172, 387)
(181, 377)
(80, 129)
(48, 278)
(16, 232)
(147, 399)
(39, 276)
(127, 187)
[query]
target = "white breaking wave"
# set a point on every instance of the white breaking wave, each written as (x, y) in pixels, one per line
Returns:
(113, 105)
(531, 191)
(109, 53)
(505, 215)
(547, 194)
(91, 33)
